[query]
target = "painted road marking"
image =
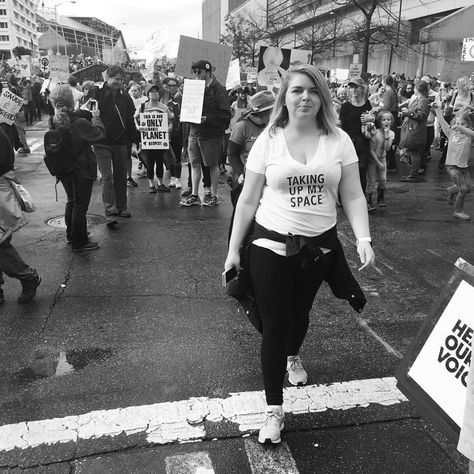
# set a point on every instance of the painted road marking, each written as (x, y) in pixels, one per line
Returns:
(182, 421)
(278, 460)
(35, 145)
(364, 324)
(189, 463)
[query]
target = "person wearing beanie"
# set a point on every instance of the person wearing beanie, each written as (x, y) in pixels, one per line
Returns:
(207, 138)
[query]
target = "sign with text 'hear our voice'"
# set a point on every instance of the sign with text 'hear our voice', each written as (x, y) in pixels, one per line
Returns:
(154, 131)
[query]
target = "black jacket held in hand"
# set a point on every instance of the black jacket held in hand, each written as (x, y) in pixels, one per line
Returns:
(216, 109)
(116, 111)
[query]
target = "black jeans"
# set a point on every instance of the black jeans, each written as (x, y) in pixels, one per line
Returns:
(78, 193)
(153, 160)
(284, 293)
(176, 143)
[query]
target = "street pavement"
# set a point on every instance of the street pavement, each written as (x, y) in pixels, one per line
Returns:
(133, 359)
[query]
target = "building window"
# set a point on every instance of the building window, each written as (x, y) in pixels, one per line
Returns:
(3, 11)
(3, 24)
(4, 38)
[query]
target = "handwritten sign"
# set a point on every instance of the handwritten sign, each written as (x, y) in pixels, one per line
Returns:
(155, 136)
(10, 105)
(193, 98)
(59, 68)
(467, 52)
(191, 50)
(233, 76)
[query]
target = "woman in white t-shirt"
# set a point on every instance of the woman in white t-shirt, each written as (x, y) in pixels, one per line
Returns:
(286, 219)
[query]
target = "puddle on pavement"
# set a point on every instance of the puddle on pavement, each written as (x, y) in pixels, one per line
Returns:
(47, 362)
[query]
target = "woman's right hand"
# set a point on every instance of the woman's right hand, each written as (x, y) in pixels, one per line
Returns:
(232, 260)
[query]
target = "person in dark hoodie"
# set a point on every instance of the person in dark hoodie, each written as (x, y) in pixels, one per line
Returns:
(78, 183)
(206, 139)
(116, 111)
(11, 219)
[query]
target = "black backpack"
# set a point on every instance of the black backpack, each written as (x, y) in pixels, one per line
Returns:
(59, 152)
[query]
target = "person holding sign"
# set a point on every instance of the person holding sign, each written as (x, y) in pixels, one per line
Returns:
(151, 151)
(207, 138)
(286, 218)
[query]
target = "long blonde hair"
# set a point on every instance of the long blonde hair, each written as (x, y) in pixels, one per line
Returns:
(326, 118)
(63, 101)
(462, 85)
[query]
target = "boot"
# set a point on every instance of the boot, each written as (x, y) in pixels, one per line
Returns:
(29, 290)
(370, 206)
(381, 197)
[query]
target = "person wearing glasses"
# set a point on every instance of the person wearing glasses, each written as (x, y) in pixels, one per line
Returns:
(207, 138)
(116, 111)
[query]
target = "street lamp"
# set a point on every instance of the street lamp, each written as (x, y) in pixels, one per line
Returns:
(332, 13)
(56, 20)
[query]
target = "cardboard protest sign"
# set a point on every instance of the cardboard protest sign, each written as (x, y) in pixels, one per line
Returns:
(355, 70)
(10, 105)
(433, 373)
(233, 76)
(25, 66)
(59, 68)
(193, 99)
(155, 136)
(191, 50)
(273, 63)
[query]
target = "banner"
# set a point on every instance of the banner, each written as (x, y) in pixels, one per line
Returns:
(467, 52)
(191, 50)
(59, 68)
(10, 105)
(155, 135)
(434, 372)
(193, 99)
(273, 63)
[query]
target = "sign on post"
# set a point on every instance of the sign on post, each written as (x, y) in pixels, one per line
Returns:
(155, 135)
(433, 373)
(193, 99)
(355, 70)
(10, 105)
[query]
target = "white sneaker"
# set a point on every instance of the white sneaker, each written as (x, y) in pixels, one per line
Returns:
(207, 192)
(172, 183)
(296, 374)
(177, 183)
(271, 428)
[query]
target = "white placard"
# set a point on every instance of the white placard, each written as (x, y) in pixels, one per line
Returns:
(233, 76)
(193, 99)
(355, 70)
(467, 52)
(10, 105)
(442, 365)
(155, 137)
(59, 68)
(25, 68)
(44, 63)
(191, 50)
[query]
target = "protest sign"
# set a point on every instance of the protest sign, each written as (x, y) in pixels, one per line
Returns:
(251, 75)
(193, 98)
(233, 76)
(44, 63)
(10, 105)
(467, 51)
(59, 68)
(191, 50)
(273, 63)
(433, 373)
(355, 70)
(25, 66)
(155, 136)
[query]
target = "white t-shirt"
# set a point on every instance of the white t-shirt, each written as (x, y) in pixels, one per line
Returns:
(298, 198)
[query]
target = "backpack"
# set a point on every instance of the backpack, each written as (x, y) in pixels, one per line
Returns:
(59, 154)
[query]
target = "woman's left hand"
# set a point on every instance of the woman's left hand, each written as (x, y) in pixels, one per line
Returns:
(366, 254)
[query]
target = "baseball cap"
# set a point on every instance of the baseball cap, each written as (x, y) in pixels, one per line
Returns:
(426, 79)
(357, 81)
(203, 64)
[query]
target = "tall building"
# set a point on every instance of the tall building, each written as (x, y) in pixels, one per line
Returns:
(213, 16)
(17, 26)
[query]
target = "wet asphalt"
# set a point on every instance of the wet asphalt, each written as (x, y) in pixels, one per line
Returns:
(144, 320)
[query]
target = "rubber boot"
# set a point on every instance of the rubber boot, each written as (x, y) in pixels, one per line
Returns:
(381, 197)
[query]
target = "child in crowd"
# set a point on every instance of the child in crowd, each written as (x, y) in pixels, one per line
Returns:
(380, 143)
(460, 137)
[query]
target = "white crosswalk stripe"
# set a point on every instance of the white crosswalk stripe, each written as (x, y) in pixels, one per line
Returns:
(189, 463)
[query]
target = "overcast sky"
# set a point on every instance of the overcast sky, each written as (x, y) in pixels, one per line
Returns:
(142, 17)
